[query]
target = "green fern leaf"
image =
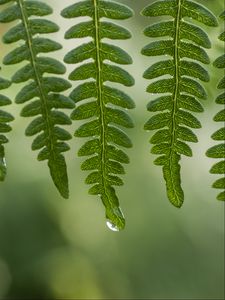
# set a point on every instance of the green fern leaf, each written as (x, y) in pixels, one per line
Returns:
(104, 103)
(185, 46)
(5, 118)
(218, 151)
(45, 90)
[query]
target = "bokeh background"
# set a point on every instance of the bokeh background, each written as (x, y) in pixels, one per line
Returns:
(51, 248)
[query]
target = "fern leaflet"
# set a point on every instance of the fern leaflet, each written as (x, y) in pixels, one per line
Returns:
(218, 151)
(5, 117)
(105, 159)
(44, 90)
(180, 84)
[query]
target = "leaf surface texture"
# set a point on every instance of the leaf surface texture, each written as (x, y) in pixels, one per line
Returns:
(103, 108)
(176, 82)
(218, 151)
(5, 118)
(41, 92)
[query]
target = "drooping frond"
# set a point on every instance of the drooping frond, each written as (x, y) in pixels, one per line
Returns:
(218, 151)
(183, 42)
(44, 91)
(5, 117)
(105, 104)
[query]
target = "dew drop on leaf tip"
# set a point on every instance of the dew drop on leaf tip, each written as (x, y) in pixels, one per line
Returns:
(112, 226)
(115, 219)
(3, 161)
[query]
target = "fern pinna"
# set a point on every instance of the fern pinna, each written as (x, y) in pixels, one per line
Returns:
(182, 90)
(5, 117)
(44, 90)
(105, 159)
(218, 151)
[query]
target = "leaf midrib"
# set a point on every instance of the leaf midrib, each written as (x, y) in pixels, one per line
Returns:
(176, 90)
(99, 84)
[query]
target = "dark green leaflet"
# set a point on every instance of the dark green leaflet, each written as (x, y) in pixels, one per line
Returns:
(218, 151)
(5, 117)
(104, 103)
(44, 90)
(180, 85)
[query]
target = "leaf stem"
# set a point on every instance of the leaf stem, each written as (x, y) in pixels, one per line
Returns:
(175, 96)
(99, 84)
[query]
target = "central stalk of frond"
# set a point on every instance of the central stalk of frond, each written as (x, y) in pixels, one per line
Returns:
(99, 84)
(175, 192)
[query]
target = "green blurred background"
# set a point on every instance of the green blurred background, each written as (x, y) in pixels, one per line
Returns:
(51, 248)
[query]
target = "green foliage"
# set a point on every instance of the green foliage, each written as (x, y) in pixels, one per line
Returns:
(218, 151)
(180, 83)
(4, 127)
(46, 91)
(176, 80)
(103, 105)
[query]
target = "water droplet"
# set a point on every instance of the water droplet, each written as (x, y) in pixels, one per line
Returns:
(2, 168)
(112, 226)
(3, 161)
(115, 219)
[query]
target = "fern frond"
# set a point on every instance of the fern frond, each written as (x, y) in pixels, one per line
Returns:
(5, 118)
(184, 43)
(44, 90)
(218, 151)
(104, 103)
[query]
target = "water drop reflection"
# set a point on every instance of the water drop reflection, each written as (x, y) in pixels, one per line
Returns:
(112, 226)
